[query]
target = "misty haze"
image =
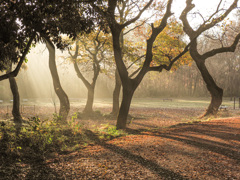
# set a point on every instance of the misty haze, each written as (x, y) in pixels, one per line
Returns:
(120, 89)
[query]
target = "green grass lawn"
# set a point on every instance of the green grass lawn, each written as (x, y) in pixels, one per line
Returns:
(160, 103)
(201, 103)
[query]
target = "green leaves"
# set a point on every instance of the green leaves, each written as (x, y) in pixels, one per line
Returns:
(109, 132)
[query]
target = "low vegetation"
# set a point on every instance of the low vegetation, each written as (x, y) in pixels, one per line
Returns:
(39, 140)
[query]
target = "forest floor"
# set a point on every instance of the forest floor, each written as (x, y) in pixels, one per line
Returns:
(159, 143)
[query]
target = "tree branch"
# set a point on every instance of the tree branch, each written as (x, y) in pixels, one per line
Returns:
(143, 22)
(205, 27)
(222, 49)
(169, 66)
(189, 30)
(163, 24)
(135, 61)
(139, 14)
(16, 70)
(135, 72)
(186, 26)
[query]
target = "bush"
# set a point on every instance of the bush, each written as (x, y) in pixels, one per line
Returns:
(39, 138)
(109, 132)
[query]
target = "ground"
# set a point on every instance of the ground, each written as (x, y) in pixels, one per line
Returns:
(208, 150)
(161, 143)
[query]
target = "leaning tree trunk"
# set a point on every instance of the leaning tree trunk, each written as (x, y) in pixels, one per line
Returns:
(63, 98)
(16, 99)
(215, 91)
(124, 108)
(89, 105)
(116, 94)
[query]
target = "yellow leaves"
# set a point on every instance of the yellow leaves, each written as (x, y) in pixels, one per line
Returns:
(169, 44)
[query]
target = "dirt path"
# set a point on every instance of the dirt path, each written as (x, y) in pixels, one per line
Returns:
(207, 150)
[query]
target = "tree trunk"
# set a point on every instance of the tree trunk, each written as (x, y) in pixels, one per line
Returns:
(16, 99)
(89, 105)
(63, 98)
(125, 106)
(116, 94)
(215, 91)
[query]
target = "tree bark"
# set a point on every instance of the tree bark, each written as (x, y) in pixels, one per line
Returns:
(63, 98)
(215, 91)
(16, 99)
(89, 105)
(124, 108)
(116, 94)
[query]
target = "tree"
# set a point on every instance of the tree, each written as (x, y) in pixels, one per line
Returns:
(90, 48)
(64, 102)
(130, 84)
(15, 45)
(16, 98)
(47, 20)
(129, 48)
(15, 40)
(200, 59)
(121, 8)
(168, 44)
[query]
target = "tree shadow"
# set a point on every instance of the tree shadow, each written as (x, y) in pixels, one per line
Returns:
(22, 162)
(43, 171)
(11, 167)
(144, 125)
(212, 146)
(152, 166)
(220, 139)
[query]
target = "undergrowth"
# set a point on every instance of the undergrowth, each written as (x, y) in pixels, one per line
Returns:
(108, 132)
(40, 139)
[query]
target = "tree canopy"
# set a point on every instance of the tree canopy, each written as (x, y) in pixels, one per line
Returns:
(25, 21)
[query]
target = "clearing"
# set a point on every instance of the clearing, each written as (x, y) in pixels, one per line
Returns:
(160, 143)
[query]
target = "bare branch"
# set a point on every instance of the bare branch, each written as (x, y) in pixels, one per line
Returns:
(139, 14)
(80, 75)
(143, 22)
(150, 41)
(135, 61)
(205, 26)
(223, 49)
(214, 21)
(186, 26)
(135, 72)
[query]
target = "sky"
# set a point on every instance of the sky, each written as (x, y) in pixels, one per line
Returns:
(205, 7)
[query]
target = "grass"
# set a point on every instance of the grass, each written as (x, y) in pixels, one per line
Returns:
(136, 103)
(176, 102)
(159, 103)
(109, 132)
